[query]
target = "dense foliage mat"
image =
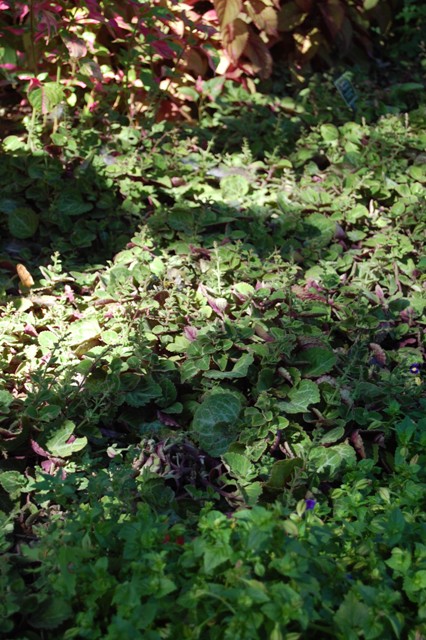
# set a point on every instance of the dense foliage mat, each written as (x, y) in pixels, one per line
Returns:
(212, 399)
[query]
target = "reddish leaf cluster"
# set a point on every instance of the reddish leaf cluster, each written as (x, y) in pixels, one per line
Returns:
(130, 55)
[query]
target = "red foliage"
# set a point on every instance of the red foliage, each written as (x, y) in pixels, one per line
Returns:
(128, 55)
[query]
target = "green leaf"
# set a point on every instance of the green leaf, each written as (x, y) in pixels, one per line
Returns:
(301, 397)
(146, 391)
(179, 345)
(14, 143)
(239, 370)
(357, 212)
(352, 614)
(45, 98)
(214, 421)
(333, 458)
(252, 492)
(244, 289)
(51, 614)
(320, 228)
(23, 223)
(234, 187)
(83, 330)
(71, 203)
(400, 560)
(215, 556)
(281, 471)
(238, 464)
(329, 132)
(189, 369)
(168, 393)
(320, 361)
(370, 4)
(6, 399)
(13, 482)
(418, 172)
(49, 412)
(416, 582)
(157, 267)
(58, 444)
(405, 430)
(48, 340)
(333, 435)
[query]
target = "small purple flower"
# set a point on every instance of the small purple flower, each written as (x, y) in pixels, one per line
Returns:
(310, 504)
(415, 368)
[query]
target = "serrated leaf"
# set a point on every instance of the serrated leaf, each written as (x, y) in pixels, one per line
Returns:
(13, 482)
(58, 444)
(14, 143)
(213, 422)
(234, 187)
(332, 458)
(352, 614)
(400, 560)
(168, 393)
(23, 223)
(320, 228)
(188, 370)
(281, 472)
(46, 97)
(51, 614)
(146, 391)
(319, 361)
(71, 203)
(215, 556)
(83, 330)
(239, 370)
(301, 397)
(357, 212)
(238, 464)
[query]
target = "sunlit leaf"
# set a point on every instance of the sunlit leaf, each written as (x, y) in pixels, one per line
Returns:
(62, 443)
(227, 11)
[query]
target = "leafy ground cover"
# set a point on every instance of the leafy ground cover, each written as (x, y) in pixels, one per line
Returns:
(212, 400)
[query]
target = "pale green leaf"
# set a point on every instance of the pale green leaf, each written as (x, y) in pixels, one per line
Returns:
(83, 330)
(332, 459)
(329, 132)
(238, 464)
(234, 187)
(58, 444)
(13, 482)
(301, 397)
(370, 4)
